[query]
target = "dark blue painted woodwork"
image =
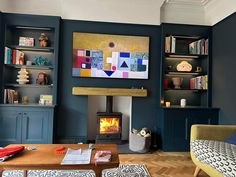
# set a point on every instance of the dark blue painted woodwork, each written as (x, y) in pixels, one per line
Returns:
(28, 125)
(176, 125)
(223, 69)
(73, 110)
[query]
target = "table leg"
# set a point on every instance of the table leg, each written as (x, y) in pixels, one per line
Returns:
(25, 173)
(1, 171)
(98, 172)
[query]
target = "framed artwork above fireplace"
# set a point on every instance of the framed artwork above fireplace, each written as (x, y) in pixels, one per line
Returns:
(110, 56)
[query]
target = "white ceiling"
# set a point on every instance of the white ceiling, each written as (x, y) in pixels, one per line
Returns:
(206, 12)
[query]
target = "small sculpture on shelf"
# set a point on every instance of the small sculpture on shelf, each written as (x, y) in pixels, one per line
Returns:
(22, 76)
(177, 82)
(43, 40)
(42, 78)
(41, 61)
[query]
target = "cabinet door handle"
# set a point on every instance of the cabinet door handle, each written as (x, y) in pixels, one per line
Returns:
(209, 121)
(186, 128)
(25, 113)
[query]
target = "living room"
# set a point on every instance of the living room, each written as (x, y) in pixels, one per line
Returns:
(72, 117)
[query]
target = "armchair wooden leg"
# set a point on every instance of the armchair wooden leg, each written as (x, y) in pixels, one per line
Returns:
(197, 170)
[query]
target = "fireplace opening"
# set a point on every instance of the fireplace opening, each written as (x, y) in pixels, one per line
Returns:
(109, 124)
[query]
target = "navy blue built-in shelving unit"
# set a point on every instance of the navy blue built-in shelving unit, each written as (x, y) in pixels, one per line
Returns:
(32, 122)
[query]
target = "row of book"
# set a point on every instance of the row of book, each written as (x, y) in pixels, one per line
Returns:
(199, 47)
(170, 44)
(200, 82)
(13, 56)
(10, 96)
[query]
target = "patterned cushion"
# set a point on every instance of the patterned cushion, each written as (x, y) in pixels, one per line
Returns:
(217, 154)
(129, 170)
(49, 173)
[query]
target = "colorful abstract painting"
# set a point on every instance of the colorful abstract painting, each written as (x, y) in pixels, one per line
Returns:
(110, 56)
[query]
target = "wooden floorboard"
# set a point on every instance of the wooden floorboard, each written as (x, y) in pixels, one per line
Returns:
(164, 164)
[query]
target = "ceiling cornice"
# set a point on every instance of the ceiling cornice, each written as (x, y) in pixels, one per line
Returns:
(200, 3)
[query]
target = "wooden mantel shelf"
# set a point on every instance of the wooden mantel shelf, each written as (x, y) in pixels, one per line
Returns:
(109, 91)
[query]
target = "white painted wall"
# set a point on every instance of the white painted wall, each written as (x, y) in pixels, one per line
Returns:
(120, 104)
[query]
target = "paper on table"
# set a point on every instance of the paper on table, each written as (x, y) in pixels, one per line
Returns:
(77, 156)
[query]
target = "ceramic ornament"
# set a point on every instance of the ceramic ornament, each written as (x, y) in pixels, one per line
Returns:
(22, 76)
(184, 66)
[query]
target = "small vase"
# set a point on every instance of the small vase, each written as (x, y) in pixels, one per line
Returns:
(177, 82)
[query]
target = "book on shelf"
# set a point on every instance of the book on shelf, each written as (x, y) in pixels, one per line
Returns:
(102, 156)
(199, 47)
(170, 42)
(200, 82)
(10, 96)
(13, 56)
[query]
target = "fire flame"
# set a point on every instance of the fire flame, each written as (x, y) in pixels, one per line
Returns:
(109, 125)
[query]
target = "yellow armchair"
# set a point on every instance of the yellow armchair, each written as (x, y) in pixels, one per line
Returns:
(209, 132)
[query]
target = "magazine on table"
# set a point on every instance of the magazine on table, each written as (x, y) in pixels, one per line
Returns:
(103, 156)
(77, 156)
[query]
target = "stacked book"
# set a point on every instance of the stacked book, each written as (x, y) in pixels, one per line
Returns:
(200, 82)
(10, 96)
(13, 56)
(199, 47)
(170, 43)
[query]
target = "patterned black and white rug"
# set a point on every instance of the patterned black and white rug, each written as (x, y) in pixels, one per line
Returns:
(125, 170)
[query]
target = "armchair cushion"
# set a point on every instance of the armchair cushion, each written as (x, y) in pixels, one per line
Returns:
(231, 139)
(219, 155)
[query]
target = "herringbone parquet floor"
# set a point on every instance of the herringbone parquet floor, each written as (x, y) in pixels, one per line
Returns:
(164, 164)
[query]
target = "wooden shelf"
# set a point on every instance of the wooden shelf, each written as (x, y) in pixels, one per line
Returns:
(30, 66)
(109, 91)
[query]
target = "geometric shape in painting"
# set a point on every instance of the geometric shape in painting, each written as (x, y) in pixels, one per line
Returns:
(125, 74)
(140, 61)
(109, 60)
(83, 65)
(80, 53)
(113, 68)
(124, 65)
(96, 53)
(97, 63)
(132, 61)
(109, 73)
(107, 66)
(88, 59)
(87, 53)
(134, 67)
(75, 71)
(85, 72)
(86, 65)
(141, 68)
(125, 54)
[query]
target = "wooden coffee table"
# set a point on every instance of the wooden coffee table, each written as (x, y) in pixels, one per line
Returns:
(44, 158)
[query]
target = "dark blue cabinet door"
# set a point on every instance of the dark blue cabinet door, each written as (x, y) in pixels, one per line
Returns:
(177, 126)
(37, 126)
(10, 126)
(176, 122)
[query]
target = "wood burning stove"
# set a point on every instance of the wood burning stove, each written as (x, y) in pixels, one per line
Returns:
(109, 125)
